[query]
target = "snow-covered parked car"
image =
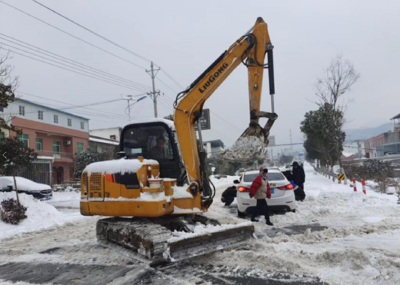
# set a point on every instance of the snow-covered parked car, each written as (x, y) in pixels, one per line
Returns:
(37, 190)
(282, 194)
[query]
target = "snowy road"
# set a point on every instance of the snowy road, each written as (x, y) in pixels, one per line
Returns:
(336, 236)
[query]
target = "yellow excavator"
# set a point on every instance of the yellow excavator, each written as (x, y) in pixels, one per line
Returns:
(157, 189)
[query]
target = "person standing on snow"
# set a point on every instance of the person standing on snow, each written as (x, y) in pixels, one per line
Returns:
(261, 190)
(299, 177)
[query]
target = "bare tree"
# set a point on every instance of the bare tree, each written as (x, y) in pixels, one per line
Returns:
(8, 85)
(339, 77)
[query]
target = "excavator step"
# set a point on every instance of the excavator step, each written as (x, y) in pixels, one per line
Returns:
(153, 243)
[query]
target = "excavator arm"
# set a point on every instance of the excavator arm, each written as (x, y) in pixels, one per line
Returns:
(250, 50)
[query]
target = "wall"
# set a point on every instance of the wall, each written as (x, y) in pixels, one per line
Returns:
(109, 149)
(31, 114)
(48, 131)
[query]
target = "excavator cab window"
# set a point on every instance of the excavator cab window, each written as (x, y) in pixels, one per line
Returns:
(151, 142)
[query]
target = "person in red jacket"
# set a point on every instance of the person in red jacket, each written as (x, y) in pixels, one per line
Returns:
(261, 190)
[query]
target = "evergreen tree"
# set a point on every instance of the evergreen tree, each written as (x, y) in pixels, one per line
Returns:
(87, 157)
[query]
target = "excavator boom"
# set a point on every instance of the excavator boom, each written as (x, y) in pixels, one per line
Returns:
(250, 50)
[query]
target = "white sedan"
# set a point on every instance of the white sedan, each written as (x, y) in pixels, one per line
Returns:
(282, 194)
(37, 190)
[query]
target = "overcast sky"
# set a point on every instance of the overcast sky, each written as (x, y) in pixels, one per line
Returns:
(185, 37)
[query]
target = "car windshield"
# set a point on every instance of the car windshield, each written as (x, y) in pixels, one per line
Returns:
(271, 176)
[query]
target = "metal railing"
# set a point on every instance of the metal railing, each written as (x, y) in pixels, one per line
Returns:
(55, 154)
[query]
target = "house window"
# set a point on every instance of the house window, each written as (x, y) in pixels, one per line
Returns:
(1, 136)
(56, 119)
(40, 115)
(56, 147)
(79, 147)
(22, 110)
(24, 139)
(1, 109)
(69, 122)
(39, 144)
(113, 137)
(82, 125)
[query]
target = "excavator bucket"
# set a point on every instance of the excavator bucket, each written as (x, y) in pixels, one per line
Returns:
(154, 243)
(251, 145)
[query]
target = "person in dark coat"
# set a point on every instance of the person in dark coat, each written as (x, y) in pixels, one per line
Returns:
(229, 195)
(261, 190)
(299, 177)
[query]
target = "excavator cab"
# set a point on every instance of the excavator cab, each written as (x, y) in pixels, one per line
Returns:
(154, 140)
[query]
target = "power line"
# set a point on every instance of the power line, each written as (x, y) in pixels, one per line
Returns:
(89, 114)
(71, 66)
(108, 40)
(67, 69)
(90, 31)
(173, 80)
(53, 55)
(71, 35)
(102, 112)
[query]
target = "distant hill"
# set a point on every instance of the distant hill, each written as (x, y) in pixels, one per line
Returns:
(362, 134)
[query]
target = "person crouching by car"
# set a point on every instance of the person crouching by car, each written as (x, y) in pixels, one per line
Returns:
(299, 177)
(298, 193)
(261, 190)
(229, 195)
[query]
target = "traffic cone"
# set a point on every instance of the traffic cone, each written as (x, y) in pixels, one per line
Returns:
(363, 187)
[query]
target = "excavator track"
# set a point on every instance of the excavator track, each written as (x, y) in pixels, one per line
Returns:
(154, 243)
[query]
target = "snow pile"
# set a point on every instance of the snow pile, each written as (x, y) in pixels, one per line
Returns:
(22, 184)
(178, 210)
(180, 192)
(144, 197)
(361, 244)
(245, 149)
(223, 181)
(169, 123)
(200, 229)
(40, 214)
(118, 166)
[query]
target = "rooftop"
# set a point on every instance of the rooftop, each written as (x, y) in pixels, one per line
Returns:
(50, 108)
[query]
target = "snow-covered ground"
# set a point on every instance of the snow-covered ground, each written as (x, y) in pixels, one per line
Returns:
(337, 235)
(41, 214)
(361, 244)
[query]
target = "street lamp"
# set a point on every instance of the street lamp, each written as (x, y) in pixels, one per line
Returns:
(135, 99)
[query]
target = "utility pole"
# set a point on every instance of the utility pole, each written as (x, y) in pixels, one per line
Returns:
(291, 146)
(154, 94)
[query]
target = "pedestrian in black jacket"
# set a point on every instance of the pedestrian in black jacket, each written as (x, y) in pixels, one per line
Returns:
(229, 195)
(299, 177)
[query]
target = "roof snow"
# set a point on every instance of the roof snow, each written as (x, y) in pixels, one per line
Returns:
(118, 166)
(103, 141)
(347, 154)
(169, 123)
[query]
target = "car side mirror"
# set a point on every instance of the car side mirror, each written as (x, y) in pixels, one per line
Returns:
(236, 181)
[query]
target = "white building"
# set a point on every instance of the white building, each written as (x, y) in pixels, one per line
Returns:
(356, 147)
(107, 133)
(213, 148)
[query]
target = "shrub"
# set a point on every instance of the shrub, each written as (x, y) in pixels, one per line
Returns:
(12, 212)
